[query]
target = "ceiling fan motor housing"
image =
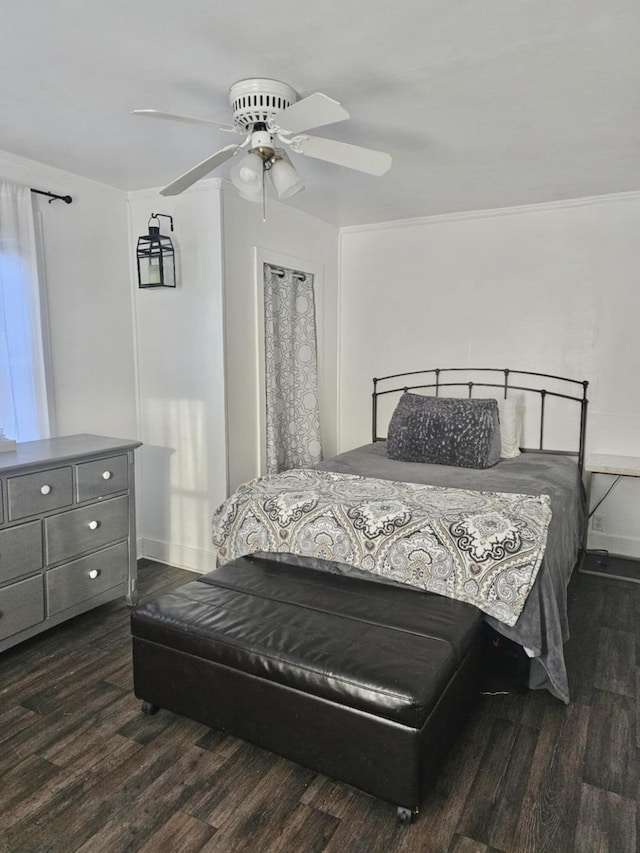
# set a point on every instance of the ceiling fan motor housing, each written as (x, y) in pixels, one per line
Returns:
(258, 99)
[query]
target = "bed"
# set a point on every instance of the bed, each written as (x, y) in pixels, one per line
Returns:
(546, 424)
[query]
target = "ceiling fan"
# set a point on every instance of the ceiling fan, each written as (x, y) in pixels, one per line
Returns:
(269, 114)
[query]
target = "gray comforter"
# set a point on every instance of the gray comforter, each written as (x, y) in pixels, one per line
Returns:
(543, 626)
(485, 548)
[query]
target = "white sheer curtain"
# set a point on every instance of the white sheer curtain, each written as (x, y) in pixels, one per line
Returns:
(291, 372)
(24, 412)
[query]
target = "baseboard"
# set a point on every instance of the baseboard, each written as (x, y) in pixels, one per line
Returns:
(180, 556)
(626, 547)
(611, 566)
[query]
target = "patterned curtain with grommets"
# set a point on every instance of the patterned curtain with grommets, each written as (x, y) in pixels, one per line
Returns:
(291, 370)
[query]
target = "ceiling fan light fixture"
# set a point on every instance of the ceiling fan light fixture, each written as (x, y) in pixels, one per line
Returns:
(268, 112)
(286, 180)
(246, 175)
(262, 144)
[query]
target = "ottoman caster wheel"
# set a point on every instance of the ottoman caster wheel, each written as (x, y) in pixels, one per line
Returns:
(148, 709)
(404, 814)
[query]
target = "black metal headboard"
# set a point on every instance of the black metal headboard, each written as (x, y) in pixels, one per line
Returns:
(438, 379)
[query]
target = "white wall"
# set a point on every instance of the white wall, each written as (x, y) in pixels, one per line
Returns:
(179, 343)
(551, 288)
(289, 235)
(196, 347)
(88, 287)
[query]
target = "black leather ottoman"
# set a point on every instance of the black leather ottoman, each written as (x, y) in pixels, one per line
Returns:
(363, 682)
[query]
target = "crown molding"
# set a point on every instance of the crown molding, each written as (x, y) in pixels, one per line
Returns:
(18, 169)
(491, 213)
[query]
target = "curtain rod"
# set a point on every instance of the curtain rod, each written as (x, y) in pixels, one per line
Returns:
(53, 196)
(280, 272)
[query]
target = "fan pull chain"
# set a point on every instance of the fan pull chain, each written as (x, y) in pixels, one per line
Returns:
(264, 201)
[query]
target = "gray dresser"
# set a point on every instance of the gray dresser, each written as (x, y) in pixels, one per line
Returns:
(67, 531)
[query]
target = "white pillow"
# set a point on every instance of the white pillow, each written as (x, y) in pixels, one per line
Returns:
(511, 419)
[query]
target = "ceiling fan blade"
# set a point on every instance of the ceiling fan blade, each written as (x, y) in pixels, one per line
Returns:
(199, 171)
(316, 110)
(352, 156)
(188, 119)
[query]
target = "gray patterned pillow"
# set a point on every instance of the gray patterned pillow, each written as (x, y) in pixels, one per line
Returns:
(445, 430)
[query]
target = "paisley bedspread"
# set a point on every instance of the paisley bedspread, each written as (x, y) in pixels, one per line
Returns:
(484, 548)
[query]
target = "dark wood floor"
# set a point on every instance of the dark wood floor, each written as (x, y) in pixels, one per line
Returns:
(82, 769)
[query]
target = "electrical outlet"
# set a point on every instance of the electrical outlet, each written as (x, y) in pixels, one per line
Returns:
(597, 523)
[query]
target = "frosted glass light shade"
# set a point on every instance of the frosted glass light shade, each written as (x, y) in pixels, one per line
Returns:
(246, 175)
(286, 180)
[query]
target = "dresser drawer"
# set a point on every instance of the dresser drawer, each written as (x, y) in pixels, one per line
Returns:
(31, 494)
(21, 606)
(87, 577)
(102, 477)
(20, 550)
(78, 530)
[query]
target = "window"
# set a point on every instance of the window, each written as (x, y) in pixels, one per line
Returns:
(24, 407)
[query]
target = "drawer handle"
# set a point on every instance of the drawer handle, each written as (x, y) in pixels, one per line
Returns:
(106, 475)
(93, 574)
(93, 525)
(44, 490)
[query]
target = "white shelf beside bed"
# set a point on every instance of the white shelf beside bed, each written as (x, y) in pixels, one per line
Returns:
(623, 466)
(617, 466)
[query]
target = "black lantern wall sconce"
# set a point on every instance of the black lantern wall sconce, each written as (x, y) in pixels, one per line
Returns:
(156, 256)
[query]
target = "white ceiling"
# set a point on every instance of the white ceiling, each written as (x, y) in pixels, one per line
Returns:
(482, 104)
